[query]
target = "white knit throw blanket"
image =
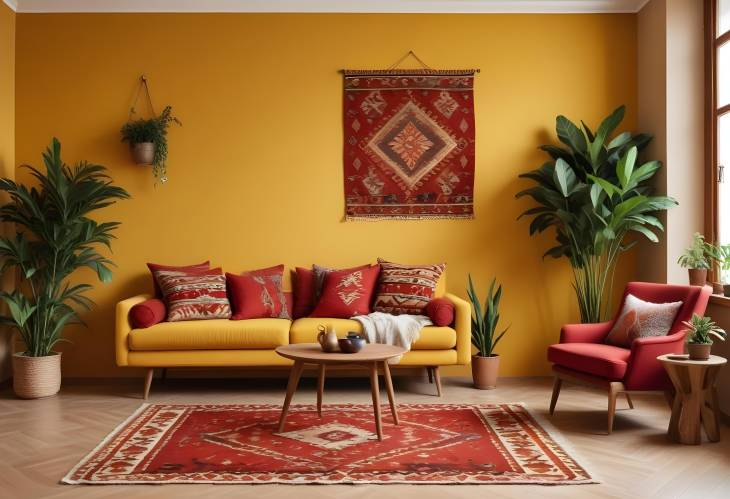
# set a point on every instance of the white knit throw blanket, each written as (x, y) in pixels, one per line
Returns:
(398, 330)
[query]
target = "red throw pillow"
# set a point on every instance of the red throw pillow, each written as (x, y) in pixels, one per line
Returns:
(440, 311)
(303, 292)
(148, 313)
(406, 289)
(154, 267)
(347, 293)
(192, 296)
(258, 294)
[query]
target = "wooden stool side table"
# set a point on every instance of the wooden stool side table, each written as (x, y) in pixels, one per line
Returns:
(695, 402)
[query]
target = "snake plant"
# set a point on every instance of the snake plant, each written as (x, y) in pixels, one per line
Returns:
(54, 238)
(484, 320)
(594, 194)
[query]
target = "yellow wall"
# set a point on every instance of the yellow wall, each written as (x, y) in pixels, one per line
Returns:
(256, 170)
(7, 139)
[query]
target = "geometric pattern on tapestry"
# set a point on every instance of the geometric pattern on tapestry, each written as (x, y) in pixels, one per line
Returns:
(434, 443)
(409, 144)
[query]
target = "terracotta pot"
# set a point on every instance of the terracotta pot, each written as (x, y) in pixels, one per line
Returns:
(697, 277)
(699, 351)
(143, 153)
(726, 289)
(36, 377)
(484, 371)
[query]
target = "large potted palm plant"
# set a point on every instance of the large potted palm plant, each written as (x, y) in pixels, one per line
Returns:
(484, 336)
(594, 194)
(54, 238)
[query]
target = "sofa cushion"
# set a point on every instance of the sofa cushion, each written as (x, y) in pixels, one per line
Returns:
(432, 338)
(347, 293)
(191, 296)
(598, 359)
(216, 334)
(441, 311)
(406, 289)
(258, 294)
(156, 267)
(303, 292)
(148, 313)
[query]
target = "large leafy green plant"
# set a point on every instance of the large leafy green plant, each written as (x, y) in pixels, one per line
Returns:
(54, 238)
(594, 194)
(484, 320)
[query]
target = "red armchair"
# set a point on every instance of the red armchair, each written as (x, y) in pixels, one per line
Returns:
(582, 357)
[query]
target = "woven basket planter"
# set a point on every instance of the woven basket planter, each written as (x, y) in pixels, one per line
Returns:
(36, 377)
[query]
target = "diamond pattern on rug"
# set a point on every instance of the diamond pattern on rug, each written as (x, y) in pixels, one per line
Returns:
(450, 444)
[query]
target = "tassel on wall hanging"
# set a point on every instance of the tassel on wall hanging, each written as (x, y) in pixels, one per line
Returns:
(409, 143)
(147, 138)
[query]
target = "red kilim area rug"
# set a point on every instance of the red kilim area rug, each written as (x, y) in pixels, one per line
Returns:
(409, 144)
(433, 444)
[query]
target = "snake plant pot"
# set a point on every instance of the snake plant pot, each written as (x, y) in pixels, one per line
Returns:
(36, 377)
(484, 371)
(699, 351)
(697, 277)
(143, 153)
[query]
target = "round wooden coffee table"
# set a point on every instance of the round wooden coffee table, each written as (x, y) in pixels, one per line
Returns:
(695, 400)
(372, 355)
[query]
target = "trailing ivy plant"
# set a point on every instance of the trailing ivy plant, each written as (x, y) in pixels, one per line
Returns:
(55, 237)
(594, 194)
(152, 130)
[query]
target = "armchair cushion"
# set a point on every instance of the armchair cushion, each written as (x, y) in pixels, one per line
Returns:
(642, 319)
(606, 361)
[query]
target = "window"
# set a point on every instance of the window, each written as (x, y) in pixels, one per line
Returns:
(717, 18)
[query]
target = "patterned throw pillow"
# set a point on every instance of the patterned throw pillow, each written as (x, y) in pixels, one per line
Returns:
(406, 289)
(258, 294)
(642, 319)
(192, 296)
(347, 293)
(156, 267)
(304, 301)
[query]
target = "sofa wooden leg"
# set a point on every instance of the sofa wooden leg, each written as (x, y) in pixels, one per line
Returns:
(613, 391)
(628, 399)
(557, 384)
(437, 378)
(430, 374)
(148, 382)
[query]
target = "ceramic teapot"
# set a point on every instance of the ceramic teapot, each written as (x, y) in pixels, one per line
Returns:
(327, 338)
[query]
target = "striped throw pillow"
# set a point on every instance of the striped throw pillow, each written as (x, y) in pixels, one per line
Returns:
(406, 289)
(192, 296)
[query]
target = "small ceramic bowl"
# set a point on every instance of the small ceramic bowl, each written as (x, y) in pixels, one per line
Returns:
(351, 344)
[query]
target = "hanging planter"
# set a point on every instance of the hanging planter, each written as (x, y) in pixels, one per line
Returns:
(147, 138)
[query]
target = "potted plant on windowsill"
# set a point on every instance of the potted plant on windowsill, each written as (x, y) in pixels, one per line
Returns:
(148, 141)
(696, 259)
(55, 238)
(721, 256)
(699, 342)
(485, 364)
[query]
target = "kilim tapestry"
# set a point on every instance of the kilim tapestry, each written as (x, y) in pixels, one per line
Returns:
(409, 144)
(432, 444)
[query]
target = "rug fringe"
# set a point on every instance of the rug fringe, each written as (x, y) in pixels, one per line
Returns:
(376, 218)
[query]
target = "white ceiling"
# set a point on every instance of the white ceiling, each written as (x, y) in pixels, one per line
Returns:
(376, 6)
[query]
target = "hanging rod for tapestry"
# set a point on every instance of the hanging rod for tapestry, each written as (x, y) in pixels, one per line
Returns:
(142, 84)
(425, 68)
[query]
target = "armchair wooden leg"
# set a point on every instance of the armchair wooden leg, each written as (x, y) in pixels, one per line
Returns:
(437, 378)
(613, 391)
(628, 399)
(557, 384)
(148, 382)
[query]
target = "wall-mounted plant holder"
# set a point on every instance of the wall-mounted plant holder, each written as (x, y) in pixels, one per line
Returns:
(147, 138)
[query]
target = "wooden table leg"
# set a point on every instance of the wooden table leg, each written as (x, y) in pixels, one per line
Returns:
(691, 419)
(291, 387)
(320, 388)
(376, 399)
(389, 389)
(711, 407)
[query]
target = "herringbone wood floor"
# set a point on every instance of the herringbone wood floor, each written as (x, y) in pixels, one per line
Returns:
(41, 440)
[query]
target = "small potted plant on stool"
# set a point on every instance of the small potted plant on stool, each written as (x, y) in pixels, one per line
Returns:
(485, 364)
(699, 342)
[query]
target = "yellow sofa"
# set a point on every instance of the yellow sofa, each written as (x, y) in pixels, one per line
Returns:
(226, 343)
